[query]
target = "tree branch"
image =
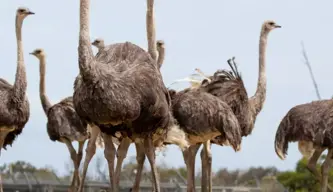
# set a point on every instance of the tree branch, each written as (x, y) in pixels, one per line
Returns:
(307, 63)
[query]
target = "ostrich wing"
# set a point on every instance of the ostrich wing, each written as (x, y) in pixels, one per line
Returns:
(200, 113)
(63, 121)
(229, 87)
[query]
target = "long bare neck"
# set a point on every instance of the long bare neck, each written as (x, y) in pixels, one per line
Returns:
(85, 50)
(42, 93)
(161, 56)
(150, 27)
(20, 84)
(257, 101)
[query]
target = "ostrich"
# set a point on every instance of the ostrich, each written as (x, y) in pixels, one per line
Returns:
(310, 125)
(229, 87)
(63, 124)
(15, 110)
(126, 96)
(203, 116)
(125, 143)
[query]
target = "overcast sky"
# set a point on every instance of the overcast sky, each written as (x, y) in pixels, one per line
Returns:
(201, 34)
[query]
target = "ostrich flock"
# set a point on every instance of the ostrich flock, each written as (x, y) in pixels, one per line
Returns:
(120, 98)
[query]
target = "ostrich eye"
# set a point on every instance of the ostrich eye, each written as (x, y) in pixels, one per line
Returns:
(21, 10)
(38, 51)
(271, 23)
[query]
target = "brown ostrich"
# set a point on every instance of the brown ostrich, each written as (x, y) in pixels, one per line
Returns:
(203, 116)
(229, 87)
(15, 110)
(63, 123)
(310, 125)
(125, 142)
(127, 96)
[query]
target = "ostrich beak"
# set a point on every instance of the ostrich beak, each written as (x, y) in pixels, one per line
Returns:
(30, 13)
(278, 26)
(31, 53)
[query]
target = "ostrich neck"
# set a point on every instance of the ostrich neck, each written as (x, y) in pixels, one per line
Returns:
(259, 97)
(20, 84)
(85, 50)
(161, 56)
(42, 93)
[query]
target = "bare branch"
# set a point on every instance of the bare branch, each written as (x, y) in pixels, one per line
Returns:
(307, 63)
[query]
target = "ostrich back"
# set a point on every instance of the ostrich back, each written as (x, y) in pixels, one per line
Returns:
(306, 122)
(229, 87)
(127, 88)
(199, 113)
(63, 121)
(12, 113)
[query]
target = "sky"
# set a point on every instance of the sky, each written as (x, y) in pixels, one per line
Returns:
(197, 34)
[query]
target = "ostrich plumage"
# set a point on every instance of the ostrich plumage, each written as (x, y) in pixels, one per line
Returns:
(14, 104)
(121, 88)
(202, 115)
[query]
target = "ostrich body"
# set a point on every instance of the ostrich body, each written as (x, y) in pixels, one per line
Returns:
(127, 92)
(310, 125)
(15, 110)
(229, 87)
(63, 123)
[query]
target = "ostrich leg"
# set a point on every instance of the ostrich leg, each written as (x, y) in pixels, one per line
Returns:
(312, 166)
(90, 152)
(150, 152)
(203, 171)
(325, 168)
(110, 154)
(74, 159)
(140, 158)
(78, 160)
(189, 156)
(208, 158)
(121, 155)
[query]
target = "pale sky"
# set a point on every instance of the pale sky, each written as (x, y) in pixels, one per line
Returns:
(201, 34)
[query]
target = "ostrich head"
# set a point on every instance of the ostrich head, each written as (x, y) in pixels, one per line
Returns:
(22, 12)
(270, 25)
(99, 43)
(38, 53)
(160, 44)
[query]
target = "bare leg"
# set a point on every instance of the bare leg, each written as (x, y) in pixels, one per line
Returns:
(78, 160)
(121, 155)
(312, 165)
(150, 153)
(190, 154)
(74, 159)
(110, 154)
(90, 152)
(325, 168)
(140, 158)
(203, 171)
(3, 135)
(1, 189)
(208, 154)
